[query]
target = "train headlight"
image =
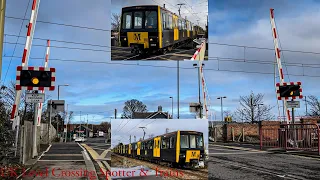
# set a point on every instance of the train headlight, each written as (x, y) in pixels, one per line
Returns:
(151, 39)
(125, 39)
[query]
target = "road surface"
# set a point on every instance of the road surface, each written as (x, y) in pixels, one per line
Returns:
(225, 162)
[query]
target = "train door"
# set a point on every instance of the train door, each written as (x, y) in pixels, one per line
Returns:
(167, 31)
(175, 28)
(156, 147)
(129, 150)
(138, 148)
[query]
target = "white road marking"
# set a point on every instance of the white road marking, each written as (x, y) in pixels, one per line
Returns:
(236, 153)
(64, 160)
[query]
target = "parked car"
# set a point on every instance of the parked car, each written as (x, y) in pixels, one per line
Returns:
(80, 139)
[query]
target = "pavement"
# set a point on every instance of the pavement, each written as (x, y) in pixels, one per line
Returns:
(71, 160)
(245, 161)
(60, 161)
(124, 53)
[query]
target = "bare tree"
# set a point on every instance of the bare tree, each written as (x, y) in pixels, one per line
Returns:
(314, 104)
(228, 113)
(132, 106)
(151, 135)
(252, 108)
(115, 21)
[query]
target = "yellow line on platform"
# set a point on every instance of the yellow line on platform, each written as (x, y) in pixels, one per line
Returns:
(96, 156)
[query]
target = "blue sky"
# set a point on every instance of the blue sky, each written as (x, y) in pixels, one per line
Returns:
(99, 87)
(247, 23)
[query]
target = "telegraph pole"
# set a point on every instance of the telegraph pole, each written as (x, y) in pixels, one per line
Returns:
(87, 126)
(115, 113)
(2, 19)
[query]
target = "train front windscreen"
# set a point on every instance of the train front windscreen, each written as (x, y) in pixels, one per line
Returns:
(138, 20)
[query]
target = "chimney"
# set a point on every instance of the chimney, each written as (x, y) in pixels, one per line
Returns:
(159, 108)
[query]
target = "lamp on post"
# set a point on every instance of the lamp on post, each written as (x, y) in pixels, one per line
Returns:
(59, 89)
(258, 109)
(221, 106)
(171, 106)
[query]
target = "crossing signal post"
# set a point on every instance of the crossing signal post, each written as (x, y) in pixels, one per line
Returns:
(36, 79)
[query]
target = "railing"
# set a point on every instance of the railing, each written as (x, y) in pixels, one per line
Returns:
(304, 137)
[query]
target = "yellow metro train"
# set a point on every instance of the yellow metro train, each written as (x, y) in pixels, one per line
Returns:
(151, 28)
(179, 149)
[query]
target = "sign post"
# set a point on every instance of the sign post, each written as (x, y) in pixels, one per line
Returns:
(293, 104)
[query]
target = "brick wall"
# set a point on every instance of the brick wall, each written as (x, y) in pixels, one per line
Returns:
(237, 128)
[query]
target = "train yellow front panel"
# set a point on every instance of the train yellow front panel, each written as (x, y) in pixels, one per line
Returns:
(129, 151)
(138, 148)
(192, 154)
(138, 38)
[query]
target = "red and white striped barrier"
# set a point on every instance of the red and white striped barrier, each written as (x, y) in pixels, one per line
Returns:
(277, 51)
(53, 78)
(39, 112)
(26, 52)
(197, 52)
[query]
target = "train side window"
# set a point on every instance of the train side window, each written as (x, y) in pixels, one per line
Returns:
(138, 20)
(171, 142)
(164, 21)
(170, 22)
(192, 141)
(126, 20)
(179, 24)
(163, 144)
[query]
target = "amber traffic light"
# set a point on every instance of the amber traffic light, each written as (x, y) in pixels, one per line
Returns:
(35, 78)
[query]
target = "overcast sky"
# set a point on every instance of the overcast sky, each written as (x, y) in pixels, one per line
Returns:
(121, 129)
(194, 10)
(97, 89)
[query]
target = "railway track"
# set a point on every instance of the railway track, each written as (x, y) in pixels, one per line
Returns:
(118, 160)
(178, 53)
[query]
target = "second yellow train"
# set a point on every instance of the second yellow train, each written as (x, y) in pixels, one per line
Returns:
(179, 149)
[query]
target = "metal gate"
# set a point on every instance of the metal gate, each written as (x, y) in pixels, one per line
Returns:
(291, 137)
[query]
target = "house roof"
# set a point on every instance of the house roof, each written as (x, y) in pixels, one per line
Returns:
(147, 115)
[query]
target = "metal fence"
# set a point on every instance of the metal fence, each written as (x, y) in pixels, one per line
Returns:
(288, 137)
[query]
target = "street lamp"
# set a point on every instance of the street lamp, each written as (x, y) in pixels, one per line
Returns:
(144, 133)
(196, 66)
(59, 89)
(258, 109)
(171, 106)
(221, 106)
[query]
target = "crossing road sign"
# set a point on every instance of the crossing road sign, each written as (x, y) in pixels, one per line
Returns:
(293, 104)
(34, 98)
